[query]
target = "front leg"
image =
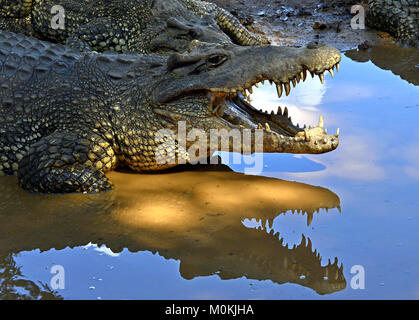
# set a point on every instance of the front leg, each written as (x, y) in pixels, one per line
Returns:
(64, 162)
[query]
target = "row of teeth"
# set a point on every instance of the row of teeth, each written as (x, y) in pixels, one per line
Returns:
(268, 224)
(286, 86)
(302, 135)
(306, 243)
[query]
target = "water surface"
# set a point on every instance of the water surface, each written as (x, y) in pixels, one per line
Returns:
(293, 232)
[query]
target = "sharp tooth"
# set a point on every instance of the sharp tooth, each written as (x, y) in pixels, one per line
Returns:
(263, 82)
(267, 128)
(256, 85)
(298, 78)
(250, 90)
(331, 72)
(279, 90)
(337, 67)
(321, 77)
(293, 83)
(337, 132)
(309, 219)
(286, 112)
(304, 74)
(260, 127)
(287, 88)
(279, 111)
(311, 73)
(321, 123)
(270, 81)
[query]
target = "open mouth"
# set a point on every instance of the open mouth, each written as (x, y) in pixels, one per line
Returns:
(236, 109)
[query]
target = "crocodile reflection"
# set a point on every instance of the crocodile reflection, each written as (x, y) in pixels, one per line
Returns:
(13, 286)
(192, 216)
(400, 61)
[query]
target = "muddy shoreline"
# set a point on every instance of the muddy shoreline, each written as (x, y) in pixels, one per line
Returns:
(296, 23)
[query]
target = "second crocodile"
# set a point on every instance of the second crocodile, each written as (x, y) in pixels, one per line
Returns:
(145, 26)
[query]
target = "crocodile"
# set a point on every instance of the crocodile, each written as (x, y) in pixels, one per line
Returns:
(145, 26)
(67, 117)
(397, 17)
(165, 214)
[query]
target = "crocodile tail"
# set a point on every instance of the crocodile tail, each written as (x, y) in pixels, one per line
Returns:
(15, 8)
(232, 26)
(397, 19)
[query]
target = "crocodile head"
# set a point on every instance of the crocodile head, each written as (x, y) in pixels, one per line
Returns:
(173, 26)
(206, 88)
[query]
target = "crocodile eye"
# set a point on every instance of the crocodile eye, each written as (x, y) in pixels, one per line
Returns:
(216, 60)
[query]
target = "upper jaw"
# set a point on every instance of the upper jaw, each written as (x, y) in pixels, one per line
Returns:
(244, 68)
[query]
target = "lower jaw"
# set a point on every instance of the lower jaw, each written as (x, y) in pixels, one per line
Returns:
(273, 138)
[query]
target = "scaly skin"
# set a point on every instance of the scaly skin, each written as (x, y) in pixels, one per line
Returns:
(15, 9)
(68, 117)
(144, 26)
(397, 17)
